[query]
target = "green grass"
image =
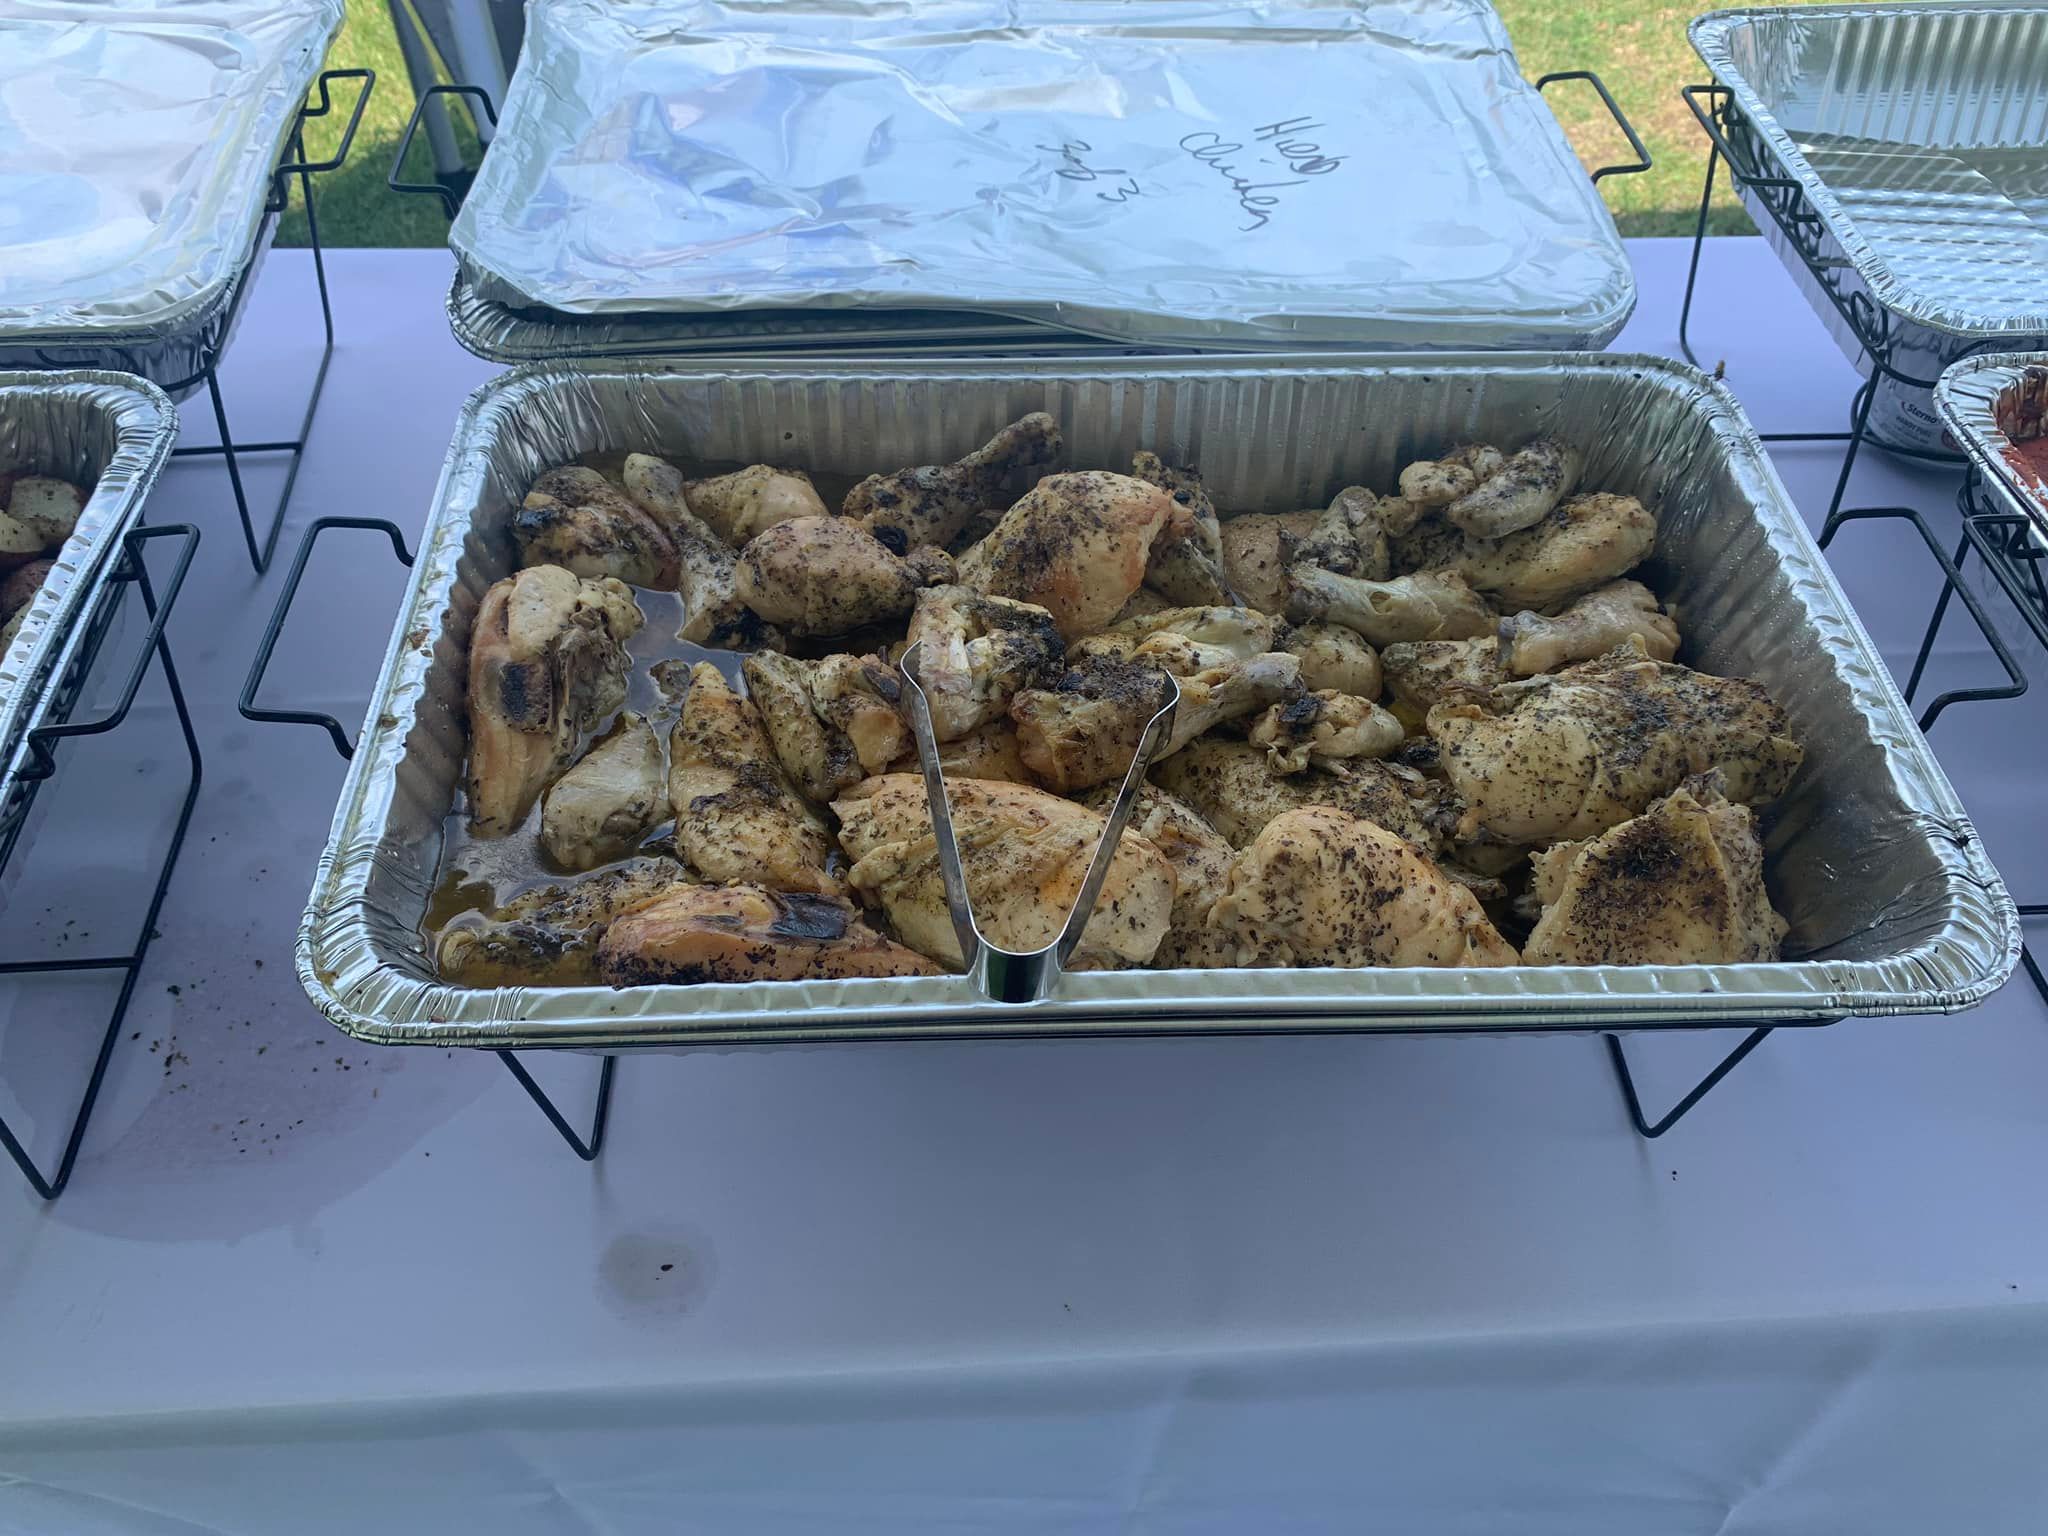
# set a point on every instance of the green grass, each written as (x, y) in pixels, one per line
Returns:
(1638, 47)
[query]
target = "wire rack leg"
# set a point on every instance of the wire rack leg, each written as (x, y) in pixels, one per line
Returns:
(130, 964)
(1728, 1064)
(587, 1150)
(260, 552)
(1692, 271)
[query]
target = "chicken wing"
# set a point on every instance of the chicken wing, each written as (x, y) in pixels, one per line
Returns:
(1591, 627)
(737, 818)
(1076, 545)
(1086, 728)
(547, 664)
(1234, 634)
(1025, 854)
(1318, 887)
(1585, 543)
(1521, 493)
(978, 651)
(1572, 753)
(600, 809)
(1326, 728)
(1429, 484)
(1348, 538)
(1257, 550)
(1233, 787)
(1334, 657)
(833, 722)
(1201, 861)
(747, 933)
(1430, 605)
(548, 937)
(707, 578)
(825, 576)
(746, 503)
(1185, 566)
(575, 518)
(936, 503)
(1681, 884)
(1420, 673)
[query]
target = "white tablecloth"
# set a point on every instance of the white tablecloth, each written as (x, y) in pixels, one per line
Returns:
(1408, 1285)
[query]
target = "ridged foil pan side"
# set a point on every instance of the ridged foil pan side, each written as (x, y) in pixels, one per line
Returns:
(1918, 134)
(112, 432)
(1894, 907)
(1977, 398)
(175, 363)
(144, 136)
(501, 333)
(1160, 173)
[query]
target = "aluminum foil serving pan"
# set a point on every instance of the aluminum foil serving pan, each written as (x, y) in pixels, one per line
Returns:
(1892, 903)
(1284, 174)
(1918, 137)
(137, 142)
(1996, 406)
(109, 432)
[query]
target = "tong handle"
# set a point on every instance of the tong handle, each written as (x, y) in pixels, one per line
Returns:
(1012, 976)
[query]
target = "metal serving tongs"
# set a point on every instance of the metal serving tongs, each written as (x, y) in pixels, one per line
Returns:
(1003, 975)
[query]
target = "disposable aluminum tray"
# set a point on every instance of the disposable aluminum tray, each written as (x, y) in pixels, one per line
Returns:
(499, 333)
(109, 431)
(1983, 402)
(137, 144)
(1918, 135)
(1280, 175)
(1893, 906)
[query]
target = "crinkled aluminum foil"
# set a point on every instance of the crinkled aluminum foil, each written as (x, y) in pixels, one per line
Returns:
(1970, 396)
(1893, 904)
(137, 142)
(107, 431)
(1288, 173)
(1919, 136)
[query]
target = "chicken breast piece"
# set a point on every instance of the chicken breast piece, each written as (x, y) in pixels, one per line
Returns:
(575, 518)
(1186, 565)
(737, 818)
(1521, 493)
(1681, 884)
(858, 696)
(1076, 545)
(1428, 484)
(1257, 550)
(937, 503)
(1585, 543)
(1430, 605)
(1201, 861)
(1085, 729)
(1594, 625)
(1325, 727)
(747, 933)
(1025, 854)
(1570, 754)
(746, 503)
(1421, 673)
(547, 666)
(1334, 657)
(833, 722)
(1319, 887)
(548, 937)
(986, 752)
(1234, 788)
(600, 809)
(707, 577)
(977, 652)
(825, 576)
